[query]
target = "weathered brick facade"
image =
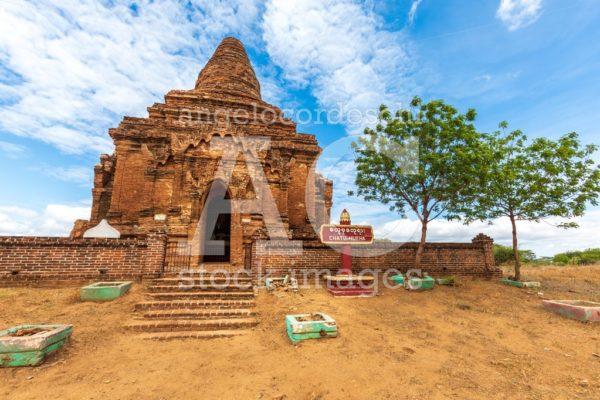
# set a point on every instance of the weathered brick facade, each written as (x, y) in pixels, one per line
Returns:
(28, 260)
(164, 166)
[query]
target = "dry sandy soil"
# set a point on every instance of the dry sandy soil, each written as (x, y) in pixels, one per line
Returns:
(476, 340)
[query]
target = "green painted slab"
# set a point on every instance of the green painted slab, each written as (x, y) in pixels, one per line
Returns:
(511, 283)
(322, 327)
(448, 281)
(29, 358)
(397, 279)
(424, 283)
(298, 337)
(520, 284)
(104, 291)
(31, 350)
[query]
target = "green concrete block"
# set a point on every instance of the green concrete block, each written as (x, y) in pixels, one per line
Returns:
(104, 291)
(310, 326)
(520, 284)
(29, 345)
(423, 283)
(511, 283)
(448, 281)
(397, 279)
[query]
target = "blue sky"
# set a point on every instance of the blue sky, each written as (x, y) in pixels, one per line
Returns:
(69, 70)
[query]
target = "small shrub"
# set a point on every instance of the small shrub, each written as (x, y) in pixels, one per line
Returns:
(504, 255)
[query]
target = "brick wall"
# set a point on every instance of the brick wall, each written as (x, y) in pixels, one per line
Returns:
(475, 259)
(25, 260)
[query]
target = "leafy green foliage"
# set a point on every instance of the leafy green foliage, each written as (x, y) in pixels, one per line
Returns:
(504, 255)
(586, 257)
(532, 182)
(529, 181)
(418, 159)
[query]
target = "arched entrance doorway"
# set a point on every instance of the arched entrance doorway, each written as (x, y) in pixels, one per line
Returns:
(216, 227)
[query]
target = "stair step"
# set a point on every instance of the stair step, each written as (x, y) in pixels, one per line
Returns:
(212, 270)
(192, 325)
(202, 303)
(218, 279)
(198, 313)
(193, 334)
(193, 288)
(195, 295)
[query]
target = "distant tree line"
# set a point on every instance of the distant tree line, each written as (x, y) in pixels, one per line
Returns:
(504, 255)
(585, 257)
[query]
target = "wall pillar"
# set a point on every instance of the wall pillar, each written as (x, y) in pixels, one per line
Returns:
(154, 259)
(487, 245)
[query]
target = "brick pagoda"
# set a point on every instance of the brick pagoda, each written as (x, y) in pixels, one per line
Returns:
(163, 166)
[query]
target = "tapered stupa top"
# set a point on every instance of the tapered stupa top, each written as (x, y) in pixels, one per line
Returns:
(229, 71)
(345, 218)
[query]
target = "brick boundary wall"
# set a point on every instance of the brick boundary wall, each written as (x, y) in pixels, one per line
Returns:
(475, 259)
(26, 260)
(39, 260)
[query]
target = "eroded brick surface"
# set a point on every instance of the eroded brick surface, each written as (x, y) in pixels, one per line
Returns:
(165, 164)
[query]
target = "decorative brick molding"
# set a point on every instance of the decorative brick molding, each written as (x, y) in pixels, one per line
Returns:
(26, 260)
(475, 259)
(165, 165)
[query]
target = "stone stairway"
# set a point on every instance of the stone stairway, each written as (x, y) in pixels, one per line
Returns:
(196, 306)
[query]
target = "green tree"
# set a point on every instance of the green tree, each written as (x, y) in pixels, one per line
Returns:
(418, 159)
(562, 259)
(531, 181)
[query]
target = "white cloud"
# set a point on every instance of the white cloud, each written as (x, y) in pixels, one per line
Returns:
(340, 49)
(82, 175)
(544, 238)
(412, 13)
(271, 89)
(517, 14)
(11, 150)
(54, 220)
(78, 66)
(18, 211)
(484, 77)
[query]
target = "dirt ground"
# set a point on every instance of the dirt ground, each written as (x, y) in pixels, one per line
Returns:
(478, 340)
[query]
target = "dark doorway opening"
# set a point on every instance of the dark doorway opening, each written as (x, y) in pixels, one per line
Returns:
(217, 224)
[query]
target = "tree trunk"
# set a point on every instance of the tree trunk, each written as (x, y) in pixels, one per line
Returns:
(516, 248)
(421, 247)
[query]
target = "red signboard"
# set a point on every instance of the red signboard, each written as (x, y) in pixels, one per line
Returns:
(346, 234)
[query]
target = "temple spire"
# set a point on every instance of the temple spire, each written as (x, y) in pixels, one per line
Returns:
(229, 71)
